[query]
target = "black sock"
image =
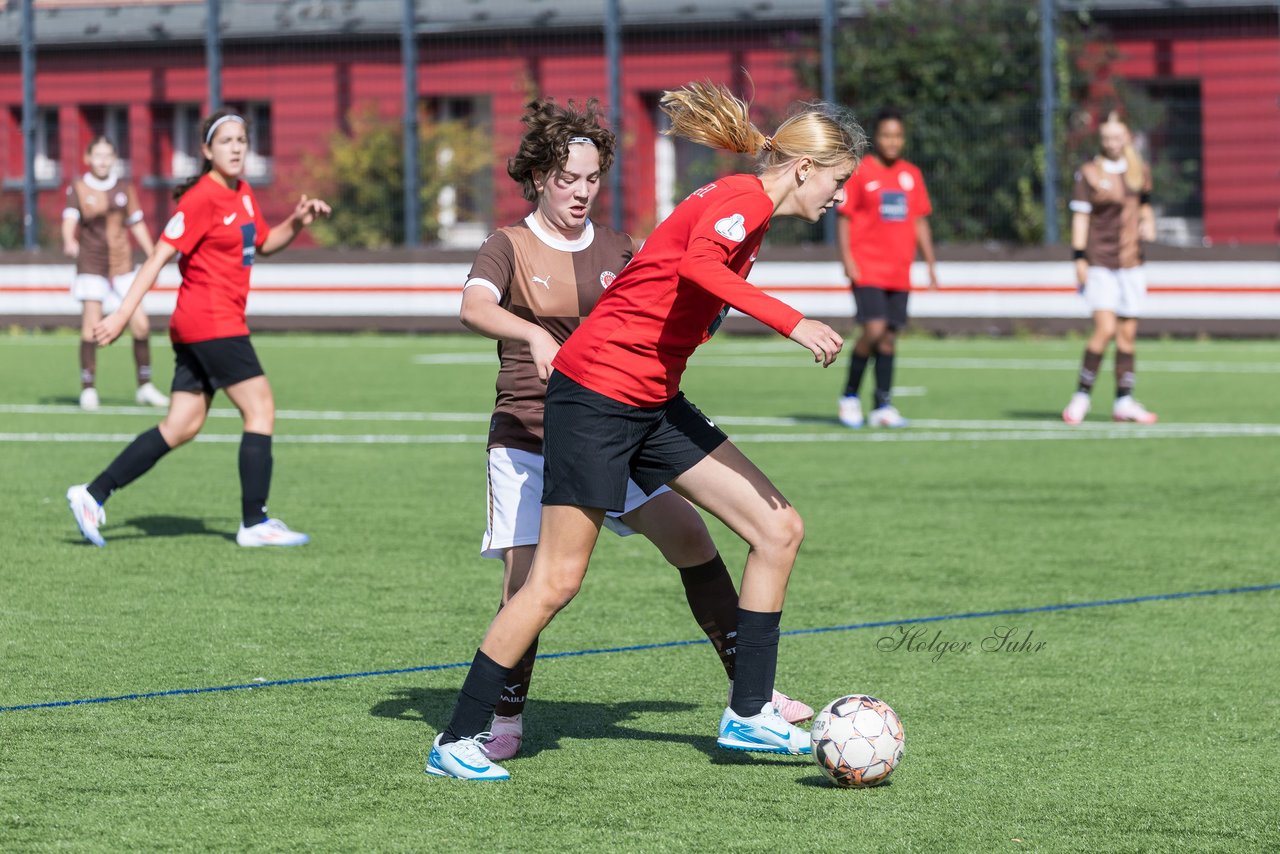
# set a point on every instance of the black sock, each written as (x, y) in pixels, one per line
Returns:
(857, 367)
(757, 660)
(1089, 371)
(515, 688)
(479, 694)
(133, 462)
(884, 379)
(714, 603)
(255, 477)
(1125, 379)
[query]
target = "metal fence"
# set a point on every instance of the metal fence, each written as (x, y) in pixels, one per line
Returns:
(403, 112)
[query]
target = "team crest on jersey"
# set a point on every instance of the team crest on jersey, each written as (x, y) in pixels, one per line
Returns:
(121, 200)
(248, 206)
(176, 227)
(906, 182)
(733, 227)
(607, 277)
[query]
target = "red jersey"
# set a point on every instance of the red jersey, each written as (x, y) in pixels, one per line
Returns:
(883, 204)
(672, 296)
(218, 231)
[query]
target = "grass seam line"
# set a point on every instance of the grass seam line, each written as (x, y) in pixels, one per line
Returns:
(878, 624)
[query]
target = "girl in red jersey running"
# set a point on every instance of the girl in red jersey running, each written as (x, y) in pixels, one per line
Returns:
(529, 287)
(218, 229)
(614, 411)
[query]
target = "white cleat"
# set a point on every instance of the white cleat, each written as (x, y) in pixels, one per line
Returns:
(766, 732)
(508, 733)
(851, 411)
(272, 532)
(887, 416)
(148, 395)
(89, 399)
(1077, 408)
(1128, 409)
(89, 514)
(463, 759)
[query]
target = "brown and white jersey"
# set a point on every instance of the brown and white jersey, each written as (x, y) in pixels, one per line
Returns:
(544, 279)
(1102, 192)
(105, 210)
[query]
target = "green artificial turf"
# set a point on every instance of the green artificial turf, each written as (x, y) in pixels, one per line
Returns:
(1146, 726)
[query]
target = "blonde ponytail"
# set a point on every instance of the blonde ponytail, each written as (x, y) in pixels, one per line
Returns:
(709, 114)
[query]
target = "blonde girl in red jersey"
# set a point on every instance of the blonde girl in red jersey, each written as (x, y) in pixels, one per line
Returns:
(101, 212)
(614, 412)
(529, 287)
(1111, 217)
(218, 229)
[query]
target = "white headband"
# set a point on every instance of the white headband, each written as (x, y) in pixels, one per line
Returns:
(581, 140)
(208, 138)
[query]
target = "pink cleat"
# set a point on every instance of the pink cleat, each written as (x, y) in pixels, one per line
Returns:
(1128, 409)
(792, 711)
(1076, 409)
(507, 735)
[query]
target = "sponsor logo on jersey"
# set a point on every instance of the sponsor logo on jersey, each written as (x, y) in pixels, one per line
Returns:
(872, 186)
(176, 227)
(702, 191)
(733, 227)
(893, 206)
(248, 206)
(229, 218)
(607, 277)
(544, 281)
(906, 182)
(248, 250)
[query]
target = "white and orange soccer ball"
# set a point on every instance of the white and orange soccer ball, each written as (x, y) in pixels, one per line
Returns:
(857, 741)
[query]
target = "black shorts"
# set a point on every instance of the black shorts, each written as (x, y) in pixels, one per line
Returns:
(594, 443)
(879, 304)
(206, 366)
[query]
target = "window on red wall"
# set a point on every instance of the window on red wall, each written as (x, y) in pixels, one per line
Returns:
(184, 135)
(258, 163)
(463, 208)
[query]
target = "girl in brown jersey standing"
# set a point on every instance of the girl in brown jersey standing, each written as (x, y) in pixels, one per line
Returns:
(1110, 219)
(101, 212)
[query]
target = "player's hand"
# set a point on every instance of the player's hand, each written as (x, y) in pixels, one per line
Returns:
(308, 210)
(542, 349)
(1082, 273)
(109, 328)
(71, 248)
(820, 339)
(933, 278)
(851, 270)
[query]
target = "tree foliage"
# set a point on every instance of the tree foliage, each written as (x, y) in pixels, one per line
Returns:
(966, 76)
(363, 174)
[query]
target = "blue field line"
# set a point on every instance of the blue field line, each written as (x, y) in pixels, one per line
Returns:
(878, 624)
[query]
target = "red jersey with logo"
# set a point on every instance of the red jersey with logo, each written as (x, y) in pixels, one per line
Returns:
(883, 204)
(218, 231)
(672, 296)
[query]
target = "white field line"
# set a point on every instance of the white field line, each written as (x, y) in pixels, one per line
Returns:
(917, 425)
(1117, 432)
(966, 364)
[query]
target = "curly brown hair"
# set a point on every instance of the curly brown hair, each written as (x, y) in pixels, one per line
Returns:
(544, 148)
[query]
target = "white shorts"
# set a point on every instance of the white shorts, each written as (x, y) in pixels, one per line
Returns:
(515, 502)
(87, 287)
(1121, 292)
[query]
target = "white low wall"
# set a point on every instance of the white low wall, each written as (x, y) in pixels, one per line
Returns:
(1221, 290)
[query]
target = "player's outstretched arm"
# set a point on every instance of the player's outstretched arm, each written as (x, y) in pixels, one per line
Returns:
(482, 314)
(304, 213)
(821, 340)
(109, 328)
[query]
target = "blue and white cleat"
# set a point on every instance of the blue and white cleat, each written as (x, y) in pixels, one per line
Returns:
(766, 732)
(88, 513)
(464, 759)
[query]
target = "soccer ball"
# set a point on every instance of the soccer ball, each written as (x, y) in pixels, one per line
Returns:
(857, 741)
